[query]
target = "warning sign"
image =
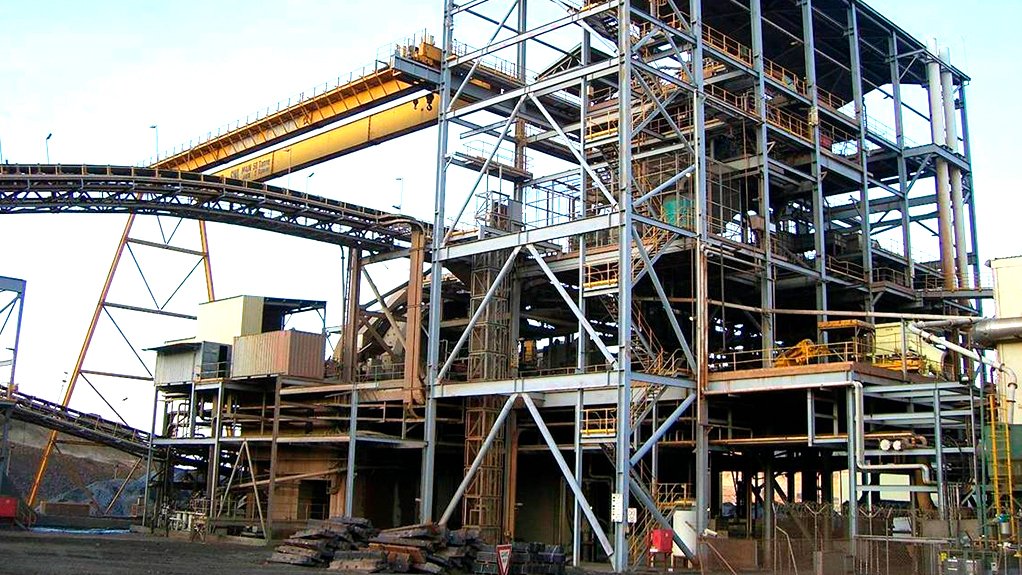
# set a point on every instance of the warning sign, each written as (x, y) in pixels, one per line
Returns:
(503, 559)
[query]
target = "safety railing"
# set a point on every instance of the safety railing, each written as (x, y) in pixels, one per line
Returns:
(830, 101)
(491, 63)
(482, 150)
(213, 371)
(667, 496)
(599, 422)
(380, 372)
(796, 355)
(789, 122)
(727, 45)
(786, 77)
(845, 269)
(892, 276)
(564, 370)
(893, 357)
(935, 282)
(601, 276)
(743, 102)
(493, 211)
(551, 202)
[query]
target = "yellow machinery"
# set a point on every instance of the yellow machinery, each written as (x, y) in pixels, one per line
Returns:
(800, 353)
(895, 348)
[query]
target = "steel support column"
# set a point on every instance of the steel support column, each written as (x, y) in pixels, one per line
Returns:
(435, 291)
(766, 287)
(702, 315)
(622, 441)
(819, 220)
(863, 158)
(899, 132)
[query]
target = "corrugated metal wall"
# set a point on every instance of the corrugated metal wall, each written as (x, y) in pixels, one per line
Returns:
(292, 353)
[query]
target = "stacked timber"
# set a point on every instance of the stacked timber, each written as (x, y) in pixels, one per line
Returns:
(548, 559)
(351, 544)
(322, 540)
(526, 558)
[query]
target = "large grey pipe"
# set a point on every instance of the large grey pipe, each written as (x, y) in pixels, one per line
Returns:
(1010, 386)
(944, 220)
(955, 175)
(989, 332)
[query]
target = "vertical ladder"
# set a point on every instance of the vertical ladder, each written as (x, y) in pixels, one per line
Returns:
(1001, 466)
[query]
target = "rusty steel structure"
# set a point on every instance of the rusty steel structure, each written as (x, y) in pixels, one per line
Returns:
(608, 316)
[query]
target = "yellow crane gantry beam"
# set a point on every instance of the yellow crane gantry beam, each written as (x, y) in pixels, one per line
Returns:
(360, 94)
(377, 128)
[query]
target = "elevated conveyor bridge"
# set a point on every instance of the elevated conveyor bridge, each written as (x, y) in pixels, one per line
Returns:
(94, 428)
(45, 189)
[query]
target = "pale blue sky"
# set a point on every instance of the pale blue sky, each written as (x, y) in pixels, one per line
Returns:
(98, 74)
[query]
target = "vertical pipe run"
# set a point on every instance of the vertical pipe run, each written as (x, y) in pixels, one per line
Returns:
(944, 220)
(957, 200)
(938, 448)
(576, 518)
(272, 487)
(214, 457)
(349, 477)
(853, 492)
(971, 201)
(768, 512)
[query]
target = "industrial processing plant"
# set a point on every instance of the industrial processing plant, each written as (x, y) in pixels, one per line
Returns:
(668, 310)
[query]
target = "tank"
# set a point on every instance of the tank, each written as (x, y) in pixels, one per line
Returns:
(678, 211)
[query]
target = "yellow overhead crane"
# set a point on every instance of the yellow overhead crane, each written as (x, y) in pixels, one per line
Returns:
(386, 103)
(350, 137)
(359, 95)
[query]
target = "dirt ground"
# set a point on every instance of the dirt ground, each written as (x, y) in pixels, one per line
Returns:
(51, 554)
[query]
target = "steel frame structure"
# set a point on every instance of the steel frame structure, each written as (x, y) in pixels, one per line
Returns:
(712, 178)
(643, 121)
(15, 287)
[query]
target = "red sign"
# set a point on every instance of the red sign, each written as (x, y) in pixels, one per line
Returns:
(503, 559)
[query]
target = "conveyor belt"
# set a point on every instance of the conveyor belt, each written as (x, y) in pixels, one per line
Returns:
(47, 188)
(93, 428)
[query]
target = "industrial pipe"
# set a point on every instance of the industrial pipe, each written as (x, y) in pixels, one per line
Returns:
(860, 440)
(944, 220)
(988, 332)
(951, 139)
(937, 340)
(1011, 386)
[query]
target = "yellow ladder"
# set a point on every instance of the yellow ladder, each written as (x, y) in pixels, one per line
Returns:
(1001, 466)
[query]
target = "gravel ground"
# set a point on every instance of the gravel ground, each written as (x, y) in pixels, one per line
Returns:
(53, 553)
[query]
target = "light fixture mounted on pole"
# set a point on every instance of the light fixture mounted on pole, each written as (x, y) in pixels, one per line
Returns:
(156, 131)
